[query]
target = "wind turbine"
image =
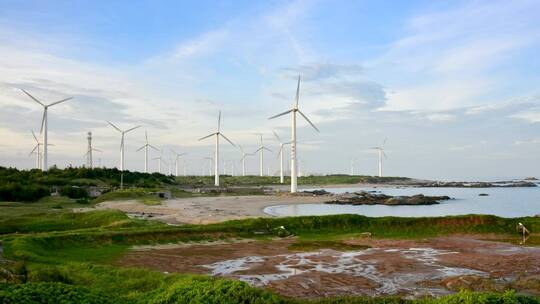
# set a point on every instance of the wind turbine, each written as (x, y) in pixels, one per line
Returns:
(177, 156)
(243, 159)
(216, 158)
(145, 147)
(261, 150)
(160, 160)
(44, 126)
(280, 155)
(294, 183)
(211, 159)
(353, 161)
(37, 150)
(380, 150)
(123, 132)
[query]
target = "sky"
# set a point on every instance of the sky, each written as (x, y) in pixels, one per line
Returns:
(454, 86)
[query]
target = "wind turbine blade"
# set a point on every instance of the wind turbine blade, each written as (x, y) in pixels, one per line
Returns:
(97, 150)
(219, 122)
(33, 150)
(35, 137)
(153, 147)
(207, 136)
(146, 135)
(118, 129)
(43, 120)
(374, 148)
(297, 93)
(279, 152)
(33, 98)
(182, 154)
(241, 149)
(281, 114)
(384, 141)
(307, 119)
(174, 152)
(60, 101)
(128, 130)
(257, 150)
(265, 148)
(141, 148)
(277, 137)
(384, 154)
(227, 139)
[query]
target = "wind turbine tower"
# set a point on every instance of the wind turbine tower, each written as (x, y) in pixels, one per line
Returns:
(243, 159)
(261, 151)
(380, 150)
(44, 126)
(216, 157)
(280, 155)
(293, 111)
(145, 147)
(123, 132)
(177, 157)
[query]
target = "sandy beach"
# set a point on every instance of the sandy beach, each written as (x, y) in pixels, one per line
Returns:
(205, 210)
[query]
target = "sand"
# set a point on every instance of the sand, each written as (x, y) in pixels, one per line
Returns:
(205, 210)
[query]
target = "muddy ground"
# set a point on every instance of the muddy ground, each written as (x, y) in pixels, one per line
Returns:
(409, 268)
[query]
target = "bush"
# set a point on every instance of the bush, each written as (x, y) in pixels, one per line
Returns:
(36, 293)
(73, 192)
(22, 193)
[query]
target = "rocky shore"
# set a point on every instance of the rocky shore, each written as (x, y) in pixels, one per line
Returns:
(367, 198)
(502, 184)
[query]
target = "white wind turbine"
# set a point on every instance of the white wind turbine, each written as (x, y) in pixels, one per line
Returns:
(261, 151)
(280, 155)
(160, 160)
(216, 157)
(353, 161)
(211, 162)
(177, 156)
(123, 132)
(380, 150)
(37, 150)
(243, 159)
(294, 167)
(44, 126)
(145, 147)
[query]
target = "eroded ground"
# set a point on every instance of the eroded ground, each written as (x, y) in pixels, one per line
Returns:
(389, 267)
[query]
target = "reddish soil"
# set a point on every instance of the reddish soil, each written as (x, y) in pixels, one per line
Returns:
(390, 267)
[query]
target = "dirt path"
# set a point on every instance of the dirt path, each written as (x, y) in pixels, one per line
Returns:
(204, 210)
(390, 267)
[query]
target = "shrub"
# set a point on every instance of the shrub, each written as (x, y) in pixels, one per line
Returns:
(73, 192)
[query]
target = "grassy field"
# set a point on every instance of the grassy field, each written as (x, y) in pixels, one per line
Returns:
(57, 255)
(55, 251)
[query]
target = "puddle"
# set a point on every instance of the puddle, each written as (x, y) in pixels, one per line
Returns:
(366, 263)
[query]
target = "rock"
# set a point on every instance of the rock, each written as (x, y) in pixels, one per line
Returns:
(531, 178)
(365, 234)
(320, 192)
(365, 198)
(483, 194)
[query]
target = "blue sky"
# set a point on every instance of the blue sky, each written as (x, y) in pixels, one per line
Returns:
(452, 84)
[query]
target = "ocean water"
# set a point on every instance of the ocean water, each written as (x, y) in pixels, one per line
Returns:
(504, 202)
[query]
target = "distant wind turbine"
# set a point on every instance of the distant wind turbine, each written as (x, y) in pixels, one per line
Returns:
(380, 150)
(160, 160)
(261, 153)
(44, 126)
(353, 161)
(243, 159)
(177, 156)
(280, 155)
(294, 167)
(123, 132)
(37, 150)
(216, 157)
(145, 147)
